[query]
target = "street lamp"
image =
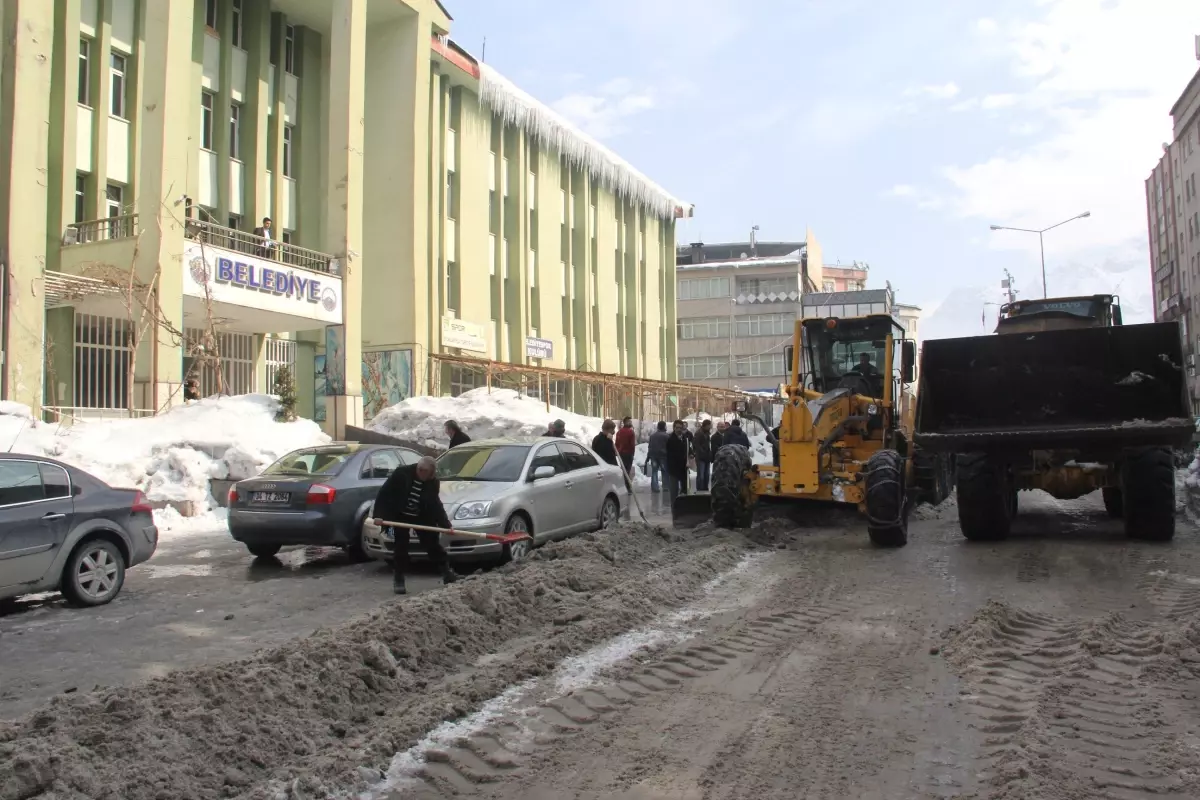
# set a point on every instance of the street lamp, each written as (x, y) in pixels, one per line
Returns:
(1041, 241)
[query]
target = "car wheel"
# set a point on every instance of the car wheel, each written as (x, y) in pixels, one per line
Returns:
(610, 513)
(520, 549)
(94, 573)
(263, 550)
(357, 549)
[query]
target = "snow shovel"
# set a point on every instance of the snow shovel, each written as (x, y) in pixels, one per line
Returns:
(633, 494)
(506, 538)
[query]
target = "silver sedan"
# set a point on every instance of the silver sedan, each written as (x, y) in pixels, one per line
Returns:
(549, 488)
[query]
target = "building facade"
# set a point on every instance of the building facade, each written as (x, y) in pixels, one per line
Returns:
(736, 315)
(1173, 211)
(420, 204)
(845, 277)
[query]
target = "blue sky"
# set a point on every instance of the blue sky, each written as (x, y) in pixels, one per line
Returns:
(897, 131)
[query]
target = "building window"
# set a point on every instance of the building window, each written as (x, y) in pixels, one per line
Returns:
(492, 254)
(236, 24)
(776, 284)
(766, 324)
(288, 236)
(762, 365)
(117, 69)
(210, 14)
(206, 120)
(289, 50)
(827, 286)
(80, 197)
(703, 288)
(85, 72)
(703, 328)
(235, 222)
(702, 368)
(235, 131)
(287, 150)
(113, 195)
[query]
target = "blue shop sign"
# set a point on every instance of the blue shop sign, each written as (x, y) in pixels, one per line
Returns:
(267, 279)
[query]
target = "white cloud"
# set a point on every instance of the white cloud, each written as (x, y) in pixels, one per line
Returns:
(920, 197)
(941, 91)
(1095, 80)
(606, 112)
(986, 26)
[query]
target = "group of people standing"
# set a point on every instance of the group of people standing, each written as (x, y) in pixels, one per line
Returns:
(671, 455)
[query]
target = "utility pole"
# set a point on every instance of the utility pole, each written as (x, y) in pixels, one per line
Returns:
(1007, 285)
(754, 242)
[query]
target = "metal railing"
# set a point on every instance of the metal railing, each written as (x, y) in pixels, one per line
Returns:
(69, 415)
(259, 246)
(108, 229)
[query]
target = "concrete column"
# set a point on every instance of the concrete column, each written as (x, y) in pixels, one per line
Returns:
(224, 110)
(101, 95)
(255, 120)
(310, 158)
(347, 110)
(275, 129)
(171, 95)
(25, 113)
(64, 104)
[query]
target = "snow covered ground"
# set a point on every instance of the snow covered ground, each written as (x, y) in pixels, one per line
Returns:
(170, 457)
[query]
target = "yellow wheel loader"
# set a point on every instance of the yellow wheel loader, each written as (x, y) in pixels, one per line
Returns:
(844, 437)
(1066, 399)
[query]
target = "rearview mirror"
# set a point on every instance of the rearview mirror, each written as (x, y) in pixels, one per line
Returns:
(543, 472)
(1116, 315)
(789, 354)
(739, 407)
(908, 360)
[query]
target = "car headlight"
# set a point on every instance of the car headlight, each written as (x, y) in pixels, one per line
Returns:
(872, 409)
(473, 510)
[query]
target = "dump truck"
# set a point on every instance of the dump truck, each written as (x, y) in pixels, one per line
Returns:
(844, 436)
(1065, 398)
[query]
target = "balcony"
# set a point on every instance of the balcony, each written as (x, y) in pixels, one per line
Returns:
(102, 230)
(261, 248)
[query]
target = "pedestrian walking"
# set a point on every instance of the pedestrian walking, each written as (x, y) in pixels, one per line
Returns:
(456, 434)
(735, 434)
(603, 443)
(678, 455)
(656, 455)
(412, 493)
(557, 429)
(626, 446)
(702, 446)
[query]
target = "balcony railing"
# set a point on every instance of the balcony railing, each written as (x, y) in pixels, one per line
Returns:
(102, 230)
(259, 247)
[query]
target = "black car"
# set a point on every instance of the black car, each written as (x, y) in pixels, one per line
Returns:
(315, 496)
(61, 528)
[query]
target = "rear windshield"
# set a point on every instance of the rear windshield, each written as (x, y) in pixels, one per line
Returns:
(499, 464)
(322, 461)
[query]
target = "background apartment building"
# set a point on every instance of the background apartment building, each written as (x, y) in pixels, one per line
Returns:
(150, 137)
(736, 312)
(845, 277)
(1173, 210)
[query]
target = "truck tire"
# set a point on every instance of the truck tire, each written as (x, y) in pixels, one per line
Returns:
(887, 512)
(933, 475)
(1113, 501)
(1148, 492)
(985, 498)
(731, 501)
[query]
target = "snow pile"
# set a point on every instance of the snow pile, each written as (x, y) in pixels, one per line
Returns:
(170, 457)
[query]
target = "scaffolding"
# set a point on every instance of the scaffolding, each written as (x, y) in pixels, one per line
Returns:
(592, 394)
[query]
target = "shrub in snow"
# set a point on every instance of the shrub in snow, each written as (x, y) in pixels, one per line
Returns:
(173, 456)
(285, 390)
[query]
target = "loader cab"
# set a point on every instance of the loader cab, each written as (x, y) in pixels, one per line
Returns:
(1059, 313)
(862, 354)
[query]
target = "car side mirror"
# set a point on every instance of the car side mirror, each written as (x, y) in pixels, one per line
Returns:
(76, 490)
(543, 472)
(908, 360)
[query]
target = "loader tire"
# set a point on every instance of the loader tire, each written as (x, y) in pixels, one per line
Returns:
(1148, 492)
(731, 501)
(985, 498)
(1113, 501)
(887, 511)
(933, 475)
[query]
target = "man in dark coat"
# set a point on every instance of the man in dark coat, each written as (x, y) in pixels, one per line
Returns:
(412, 493)
(557, 429)
(735, 434)
(603, 443)
(456, 434)
(678, 454)
(656, 455)
(717, 440)
(702, 445)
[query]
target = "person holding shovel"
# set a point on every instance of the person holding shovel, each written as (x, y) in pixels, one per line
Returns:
(626, 443)
(412, 493)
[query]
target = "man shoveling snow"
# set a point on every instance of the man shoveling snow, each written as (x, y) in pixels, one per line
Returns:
(412, 494)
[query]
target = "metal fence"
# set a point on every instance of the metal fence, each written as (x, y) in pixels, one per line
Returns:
(258, 246)
(124, 226)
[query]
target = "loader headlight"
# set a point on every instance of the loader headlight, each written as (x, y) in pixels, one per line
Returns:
(475, 510)
(872, 410)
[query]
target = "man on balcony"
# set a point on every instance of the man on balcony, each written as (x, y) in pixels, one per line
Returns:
(266, 247)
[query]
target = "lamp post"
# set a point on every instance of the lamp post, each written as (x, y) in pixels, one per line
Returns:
(1041, 241)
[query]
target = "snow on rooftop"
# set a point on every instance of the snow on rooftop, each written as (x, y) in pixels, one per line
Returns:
(790, 260)
(170, 457)
(551, 129)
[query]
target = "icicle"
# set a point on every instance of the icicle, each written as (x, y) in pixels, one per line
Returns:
(551, 130)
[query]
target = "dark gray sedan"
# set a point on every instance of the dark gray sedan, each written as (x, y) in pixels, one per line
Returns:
(61, 528)
(315, 496)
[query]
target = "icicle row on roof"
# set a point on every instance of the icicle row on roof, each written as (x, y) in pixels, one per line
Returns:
(551, 130)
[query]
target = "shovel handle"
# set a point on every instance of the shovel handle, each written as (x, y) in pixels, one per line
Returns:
(492, 536)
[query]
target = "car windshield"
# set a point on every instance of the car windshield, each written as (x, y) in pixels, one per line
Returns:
(314, 461)
(495, 463)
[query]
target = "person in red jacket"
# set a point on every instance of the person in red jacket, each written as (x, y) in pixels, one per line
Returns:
(626, 445)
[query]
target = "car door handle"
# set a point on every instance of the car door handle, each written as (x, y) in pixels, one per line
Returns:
(568, 484)
(52, 517)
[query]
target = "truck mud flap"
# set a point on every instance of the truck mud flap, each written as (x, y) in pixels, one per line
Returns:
(1119, 386)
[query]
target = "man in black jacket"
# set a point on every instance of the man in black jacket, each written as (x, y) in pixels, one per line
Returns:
(603, 443)
(678, 454)
(412, 493)
(735, 434)
(702, 446)
(456, 434)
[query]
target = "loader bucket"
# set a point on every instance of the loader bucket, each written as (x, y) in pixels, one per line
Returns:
(691, 510)
(1085, 388)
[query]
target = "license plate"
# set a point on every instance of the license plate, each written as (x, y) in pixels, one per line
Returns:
(269, 497)
(388, 536)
